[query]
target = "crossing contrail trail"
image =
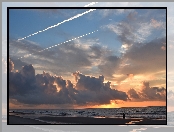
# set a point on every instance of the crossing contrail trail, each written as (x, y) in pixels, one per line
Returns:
(60, 43)
(90, 4)
(74, 17)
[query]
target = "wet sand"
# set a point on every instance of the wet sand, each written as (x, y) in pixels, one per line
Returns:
(84, 120)
(19, 120)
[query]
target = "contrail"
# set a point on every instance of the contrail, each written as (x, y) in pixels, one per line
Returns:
(74, 17)
(92, 3)
(60, 43)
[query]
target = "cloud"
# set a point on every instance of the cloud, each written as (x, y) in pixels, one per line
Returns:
(63, 59)
(28, 88)
(130, 76)
(28, 71)
(109, 65)
(54, 56)
(69, 40)
(88, 83)
(24, 48)
(78, 55)
(17, 63)
(94, 90)
(118, 78)
(153, 93)
(148, 93)
(97, 51)
(145, 59)
(138, 28)
(143, 51)
(35, 49)
(22, 82)
(41, 89)
(133, 94)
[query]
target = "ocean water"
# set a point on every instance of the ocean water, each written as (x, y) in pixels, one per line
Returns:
(158, 112)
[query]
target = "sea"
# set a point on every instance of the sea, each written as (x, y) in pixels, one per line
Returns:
(151, 112)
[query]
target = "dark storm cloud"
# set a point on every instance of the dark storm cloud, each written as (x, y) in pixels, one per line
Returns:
(26, 87)
(88, 82)
(92, 89)
(148, 93)
(22, 82)
(39, 90)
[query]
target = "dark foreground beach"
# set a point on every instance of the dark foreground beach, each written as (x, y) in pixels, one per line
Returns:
(19, 120)
(84, 120)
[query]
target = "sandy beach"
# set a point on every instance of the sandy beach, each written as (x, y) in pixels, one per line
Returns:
(84, 120)
(19, 120)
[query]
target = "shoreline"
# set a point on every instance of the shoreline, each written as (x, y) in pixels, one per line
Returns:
(83, 120)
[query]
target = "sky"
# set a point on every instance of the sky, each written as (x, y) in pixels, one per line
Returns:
(128, 49)
(80, 58)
